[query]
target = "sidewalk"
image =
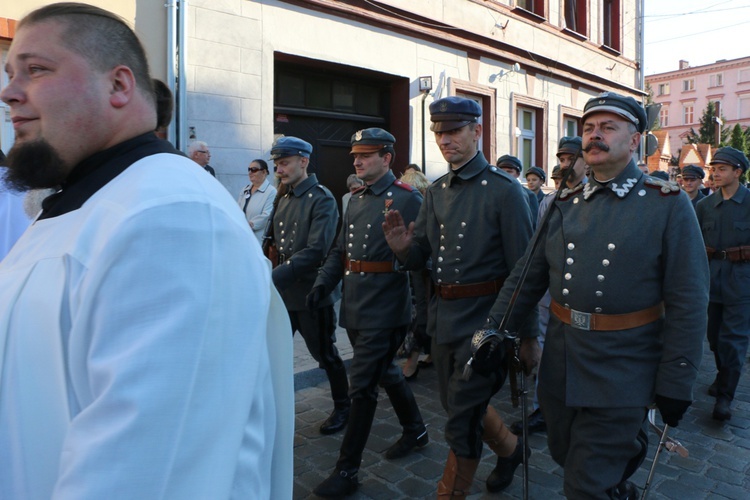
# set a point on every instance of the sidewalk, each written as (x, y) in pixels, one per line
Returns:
(717, 467)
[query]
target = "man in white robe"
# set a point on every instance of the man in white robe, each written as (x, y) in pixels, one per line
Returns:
(134, 312)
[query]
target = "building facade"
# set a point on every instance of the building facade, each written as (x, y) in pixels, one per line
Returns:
(245, 71)
(685, 93)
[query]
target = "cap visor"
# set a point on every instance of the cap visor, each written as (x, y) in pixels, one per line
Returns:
(446, 126)
(366, 148)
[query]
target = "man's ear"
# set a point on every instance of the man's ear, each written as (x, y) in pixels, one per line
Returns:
(122, 86)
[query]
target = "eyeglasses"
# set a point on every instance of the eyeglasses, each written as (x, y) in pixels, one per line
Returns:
(254, 169)
(204, 152)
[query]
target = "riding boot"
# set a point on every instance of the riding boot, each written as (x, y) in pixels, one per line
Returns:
(341, 402)
(457, 477)
(343, 480)
(414, 433)
(507, 446)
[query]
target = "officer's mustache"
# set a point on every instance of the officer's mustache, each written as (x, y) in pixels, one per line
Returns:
(596, 144)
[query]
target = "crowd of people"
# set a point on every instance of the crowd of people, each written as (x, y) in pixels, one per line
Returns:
(147, 321)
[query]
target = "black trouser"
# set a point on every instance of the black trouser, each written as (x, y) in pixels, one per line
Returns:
(318, 328)
(372, 362)
(728, 334)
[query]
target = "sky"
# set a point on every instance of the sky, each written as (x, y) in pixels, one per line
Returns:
(700, 32)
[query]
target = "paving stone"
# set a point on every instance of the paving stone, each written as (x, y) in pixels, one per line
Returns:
(717, 466)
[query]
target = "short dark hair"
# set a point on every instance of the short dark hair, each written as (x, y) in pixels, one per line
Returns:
(262, 163)
(164, 103)
(104, 39)
(386, 150)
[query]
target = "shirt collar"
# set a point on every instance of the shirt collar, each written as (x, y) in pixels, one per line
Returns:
(737, 197)
(471, 169)
(93, 173)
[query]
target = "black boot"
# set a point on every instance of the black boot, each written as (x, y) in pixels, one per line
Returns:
(502, 475)
(626, 490)
(341, 402)
(415, 432)
(343, 480)
(722, 410)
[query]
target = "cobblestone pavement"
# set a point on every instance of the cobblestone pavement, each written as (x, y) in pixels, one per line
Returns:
(717, 467)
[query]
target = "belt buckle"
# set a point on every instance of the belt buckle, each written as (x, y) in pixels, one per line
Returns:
(722, 255)
(580, 320)
(349, 264)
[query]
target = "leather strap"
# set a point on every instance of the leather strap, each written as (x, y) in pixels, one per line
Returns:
(606, 322)
(366, 266)
(451, 292)
(733, 254)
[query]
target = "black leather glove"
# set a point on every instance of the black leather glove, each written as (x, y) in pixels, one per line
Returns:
(313, 298)
(671, 410)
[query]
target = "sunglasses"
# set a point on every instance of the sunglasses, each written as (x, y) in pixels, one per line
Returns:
(254, 169)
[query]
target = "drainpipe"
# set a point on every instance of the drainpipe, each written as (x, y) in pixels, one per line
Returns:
(176, 70)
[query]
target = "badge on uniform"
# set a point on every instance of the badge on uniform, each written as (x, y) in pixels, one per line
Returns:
(388, 204)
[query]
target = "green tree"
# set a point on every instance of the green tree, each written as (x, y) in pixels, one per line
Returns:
(738, 139)
(706, 132)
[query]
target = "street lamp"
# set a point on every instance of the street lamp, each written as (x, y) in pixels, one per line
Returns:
(425, 85)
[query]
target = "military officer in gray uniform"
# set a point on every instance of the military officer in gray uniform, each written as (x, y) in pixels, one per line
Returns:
(375, 307)
(627, 321)
(304, 227)
(692, 176)
(513, 167)
(475, 224)
(724, 217)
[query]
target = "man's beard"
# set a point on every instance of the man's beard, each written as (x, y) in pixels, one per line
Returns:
(34, 165)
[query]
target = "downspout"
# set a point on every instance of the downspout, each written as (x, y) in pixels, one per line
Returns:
(641, 12)
(176, 70)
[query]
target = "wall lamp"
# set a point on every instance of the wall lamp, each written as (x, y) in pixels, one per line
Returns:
(496, 76)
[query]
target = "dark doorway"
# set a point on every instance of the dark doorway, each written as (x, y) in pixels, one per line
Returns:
(325, 104)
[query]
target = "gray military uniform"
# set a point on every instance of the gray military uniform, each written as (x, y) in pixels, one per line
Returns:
(304, 227)
(475, 225)
(726, 224)
(372, 301)
(614, 249)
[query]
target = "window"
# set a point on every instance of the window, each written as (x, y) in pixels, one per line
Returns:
(664, 117)
(687, 114)
(744, 76)
(533, 6)
(611, 24)
(663, 89)
(570, 126)
(716, 80)
(298, 90)
(575, 16)
(526, 123)
(688, 85)
(744, 107)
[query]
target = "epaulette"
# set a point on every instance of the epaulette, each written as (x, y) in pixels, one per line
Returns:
(666, 188)
(403, 185)
(568, 193)
(502, 173)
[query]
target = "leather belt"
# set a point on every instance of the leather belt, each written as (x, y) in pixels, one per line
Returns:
(451, 292)
(734, 254)
(366, 266)
(606, 322)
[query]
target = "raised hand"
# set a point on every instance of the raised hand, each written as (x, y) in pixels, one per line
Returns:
(398, 236)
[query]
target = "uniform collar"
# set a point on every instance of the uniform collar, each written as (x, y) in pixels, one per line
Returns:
(474, 167)
(738, 197)
(304, 186)
(620, 185)
(382, 184)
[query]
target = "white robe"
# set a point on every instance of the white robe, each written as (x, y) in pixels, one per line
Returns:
(133, 354)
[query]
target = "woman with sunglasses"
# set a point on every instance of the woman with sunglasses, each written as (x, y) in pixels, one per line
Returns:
(257, 198)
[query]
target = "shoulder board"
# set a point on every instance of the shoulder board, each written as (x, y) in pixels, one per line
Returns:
(325, 190)
(666, 188)
(502, 173)
(404, 185)
(359, 189)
